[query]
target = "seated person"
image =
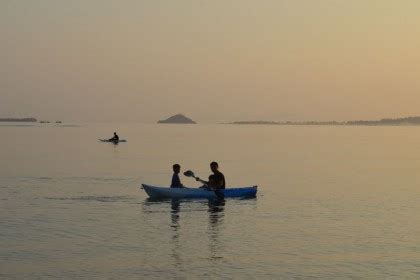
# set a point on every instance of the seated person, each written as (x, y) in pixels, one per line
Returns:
(176, 182)
(216, 180)
(116, 138)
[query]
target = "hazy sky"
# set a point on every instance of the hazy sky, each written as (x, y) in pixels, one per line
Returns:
(215, 61)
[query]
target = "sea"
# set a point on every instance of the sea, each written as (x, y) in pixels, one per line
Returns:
(333, 202)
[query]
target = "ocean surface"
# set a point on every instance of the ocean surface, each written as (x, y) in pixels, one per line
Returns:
(334, 202)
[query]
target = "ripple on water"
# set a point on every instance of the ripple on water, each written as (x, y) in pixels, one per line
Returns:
(73, 179)
(88, 198)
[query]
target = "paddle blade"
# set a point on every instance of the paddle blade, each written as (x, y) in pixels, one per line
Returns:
(189, 173)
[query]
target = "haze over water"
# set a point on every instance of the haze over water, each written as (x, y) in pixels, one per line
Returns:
(215, 61)
(333, 202)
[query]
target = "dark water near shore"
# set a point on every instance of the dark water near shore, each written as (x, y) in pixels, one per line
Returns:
(333, 202)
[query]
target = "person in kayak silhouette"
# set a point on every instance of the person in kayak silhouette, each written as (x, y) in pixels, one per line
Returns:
(116, 138)
(176, 182)
(217, 179)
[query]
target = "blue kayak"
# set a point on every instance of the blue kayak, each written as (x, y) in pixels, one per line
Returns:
(165, 192)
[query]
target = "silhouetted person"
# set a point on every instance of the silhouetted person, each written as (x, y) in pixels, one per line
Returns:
(116, 138)
(176, 182)
(217, 179)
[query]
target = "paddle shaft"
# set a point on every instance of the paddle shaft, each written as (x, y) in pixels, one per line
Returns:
(202, 181)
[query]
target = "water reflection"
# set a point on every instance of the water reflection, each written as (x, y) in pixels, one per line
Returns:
(175, 208)
(175, 225)
(215, 210)
(215, 227)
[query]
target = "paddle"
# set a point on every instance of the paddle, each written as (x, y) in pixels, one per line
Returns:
(219, 194)
(189, 173)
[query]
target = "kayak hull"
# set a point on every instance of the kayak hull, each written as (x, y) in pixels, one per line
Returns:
(165, 192)
(108, 141)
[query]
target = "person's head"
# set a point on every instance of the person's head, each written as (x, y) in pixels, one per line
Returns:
(214, 166)
(115, 133)
(176, 167)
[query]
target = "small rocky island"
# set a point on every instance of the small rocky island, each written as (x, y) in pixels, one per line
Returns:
(178, 119)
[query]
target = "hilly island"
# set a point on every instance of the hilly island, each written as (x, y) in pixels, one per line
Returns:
(178, 119)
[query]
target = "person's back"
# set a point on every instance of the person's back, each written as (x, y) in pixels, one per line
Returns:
(219, 180)
(176, 182)
(218, 177)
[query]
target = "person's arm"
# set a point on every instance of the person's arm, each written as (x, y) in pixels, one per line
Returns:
(177, 182)
(173, 182)
(202, 181)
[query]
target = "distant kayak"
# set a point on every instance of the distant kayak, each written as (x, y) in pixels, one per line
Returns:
(165, 192)
(111, 141)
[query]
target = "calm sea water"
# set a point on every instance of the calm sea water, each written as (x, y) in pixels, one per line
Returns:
(333, 202)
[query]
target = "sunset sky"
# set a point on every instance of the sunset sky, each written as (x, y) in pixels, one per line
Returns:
(214, 61)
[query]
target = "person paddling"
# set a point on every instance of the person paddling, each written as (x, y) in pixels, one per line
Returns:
(176, 182)
(217, 179)
(116, 138)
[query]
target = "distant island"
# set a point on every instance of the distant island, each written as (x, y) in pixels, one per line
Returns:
(388, 121)
(18, 120)
(178, 119)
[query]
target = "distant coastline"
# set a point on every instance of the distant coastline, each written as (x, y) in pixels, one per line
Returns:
(381, 122)
(18, 120)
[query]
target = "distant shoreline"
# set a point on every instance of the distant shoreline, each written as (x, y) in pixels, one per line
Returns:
(382, 122)
(18, 120)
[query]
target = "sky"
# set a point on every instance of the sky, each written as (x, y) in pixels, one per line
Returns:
(214, 61)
